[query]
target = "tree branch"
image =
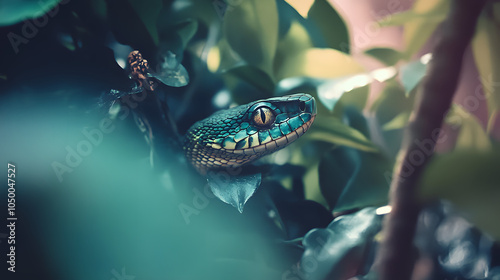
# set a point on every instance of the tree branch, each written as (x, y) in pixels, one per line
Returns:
(395, 259)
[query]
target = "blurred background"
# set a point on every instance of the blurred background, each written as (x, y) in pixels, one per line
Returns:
(108, 195)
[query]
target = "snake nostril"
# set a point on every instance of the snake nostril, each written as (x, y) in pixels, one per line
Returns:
(302, 106)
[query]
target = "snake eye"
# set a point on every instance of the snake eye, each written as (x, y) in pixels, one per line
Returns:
(263, 117)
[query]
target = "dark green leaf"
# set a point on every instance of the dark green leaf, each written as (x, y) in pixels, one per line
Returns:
(352, 178)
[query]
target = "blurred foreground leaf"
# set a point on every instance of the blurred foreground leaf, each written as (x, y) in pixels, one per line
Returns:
(14, 11)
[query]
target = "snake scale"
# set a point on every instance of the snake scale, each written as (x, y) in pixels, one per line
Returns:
(239, 135)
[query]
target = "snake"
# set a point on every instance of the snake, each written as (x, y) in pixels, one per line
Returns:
(233, 137)
(236, 136)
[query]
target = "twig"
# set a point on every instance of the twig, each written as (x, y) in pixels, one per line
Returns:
(395, 259)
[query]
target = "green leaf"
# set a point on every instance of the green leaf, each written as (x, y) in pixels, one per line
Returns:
(251, 29)
(470, 179)
(330, 24)
(14, 11)
(391, 102)
(387, 56)
(419, 23)
(295, 41)
(352, 178)
(319, 63)
(255, 77)
(485, 46)
(471, 135)
(398, 122)
(331, 130)
(333, 90)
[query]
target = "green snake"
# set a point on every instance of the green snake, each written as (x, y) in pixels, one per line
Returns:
(236, 136)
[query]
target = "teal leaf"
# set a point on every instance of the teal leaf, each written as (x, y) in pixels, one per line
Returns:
(234, 190)
(411, 74)
(14, 11)
(342, 249)
(172, 73)
(351, 179)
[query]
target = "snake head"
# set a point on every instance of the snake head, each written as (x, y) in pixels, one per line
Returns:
(237, 136)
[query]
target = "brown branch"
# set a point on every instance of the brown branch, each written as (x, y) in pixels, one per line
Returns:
(395, 257)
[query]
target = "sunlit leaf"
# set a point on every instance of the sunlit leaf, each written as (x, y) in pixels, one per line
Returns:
(387, 56)
(472, 135)
(468, 178)
(330, 24)
(251, 29)
(352, 178)
(331, 91)
(319, 63)
(485, 44)
(301, 6)
(14, 11)
(331, 130)
(341, 250)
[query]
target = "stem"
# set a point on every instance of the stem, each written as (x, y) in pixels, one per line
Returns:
(395, 259)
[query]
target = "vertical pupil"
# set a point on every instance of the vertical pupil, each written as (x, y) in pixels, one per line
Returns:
(262, 115)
